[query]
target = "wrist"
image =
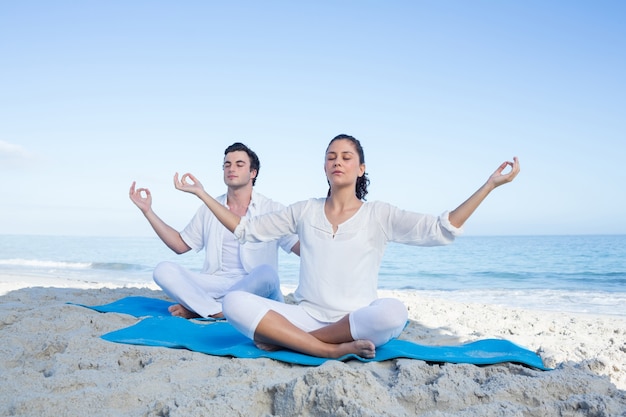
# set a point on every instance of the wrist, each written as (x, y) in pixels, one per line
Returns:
(489, 186)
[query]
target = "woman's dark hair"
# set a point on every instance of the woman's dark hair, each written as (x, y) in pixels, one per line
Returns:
(362, 182)
(254, 160)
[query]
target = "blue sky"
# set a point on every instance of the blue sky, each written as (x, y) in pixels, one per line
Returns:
(96, 94)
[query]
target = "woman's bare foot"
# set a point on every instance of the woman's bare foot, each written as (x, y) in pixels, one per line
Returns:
(180, 311)
(362, 348)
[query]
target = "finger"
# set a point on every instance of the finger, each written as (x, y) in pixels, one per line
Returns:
(187, 177)
(132, 188)
(501, 168)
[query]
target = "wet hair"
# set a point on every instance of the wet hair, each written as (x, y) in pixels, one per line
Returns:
(254, 159)
(363, 181)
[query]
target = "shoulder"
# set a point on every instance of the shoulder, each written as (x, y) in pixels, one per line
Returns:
(204, 211)
(381, 211)
(315, 201)
(264, 203)
(377, 207)
(220, 199)
(310, 203)
(303, 208)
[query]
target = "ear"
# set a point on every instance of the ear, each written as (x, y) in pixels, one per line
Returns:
(362, 170)
(253, 173)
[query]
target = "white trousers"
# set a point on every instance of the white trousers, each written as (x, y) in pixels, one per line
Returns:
(203, 293)
(379, 322)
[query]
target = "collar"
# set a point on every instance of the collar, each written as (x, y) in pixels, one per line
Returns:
(252, 207)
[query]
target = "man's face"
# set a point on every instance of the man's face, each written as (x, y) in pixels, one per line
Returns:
(237, 169)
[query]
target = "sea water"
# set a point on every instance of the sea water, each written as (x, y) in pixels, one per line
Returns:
(585, 274)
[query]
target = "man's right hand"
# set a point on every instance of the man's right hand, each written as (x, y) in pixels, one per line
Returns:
(137, 197)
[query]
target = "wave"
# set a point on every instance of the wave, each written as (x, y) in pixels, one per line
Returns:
(44, 264)
(614, 281)
(588, 302)
(117, 266)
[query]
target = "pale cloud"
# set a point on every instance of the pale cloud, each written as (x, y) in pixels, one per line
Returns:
(11, 151)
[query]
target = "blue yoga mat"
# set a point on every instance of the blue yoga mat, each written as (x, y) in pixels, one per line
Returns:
(222, 339)
(138, 307)
(135, 306)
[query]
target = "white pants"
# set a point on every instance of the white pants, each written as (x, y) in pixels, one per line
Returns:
(203, 293)
(379, 322)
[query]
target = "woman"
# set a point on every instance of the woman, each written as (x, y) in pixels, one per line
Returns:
(342, 240)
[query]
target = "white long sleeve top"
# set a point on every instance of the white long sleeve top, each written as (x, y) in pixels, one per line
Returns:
(339, 271)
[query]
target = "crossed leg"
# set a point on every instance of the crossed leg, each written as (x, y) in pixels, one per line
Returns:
(274, 325)
(332, 341)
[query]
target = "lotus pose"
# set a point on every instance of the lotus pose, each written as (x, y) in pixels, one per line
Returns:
(228, 266)
(342, 240)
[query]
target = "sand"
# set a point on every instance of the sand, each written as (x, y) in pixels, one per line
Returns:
(54, 363)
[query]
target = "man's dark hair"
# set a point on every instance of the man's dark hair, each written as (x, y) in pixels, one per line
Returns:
(254, 160)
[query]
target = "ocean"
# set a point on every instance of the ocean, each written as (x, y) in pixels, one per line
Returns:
(582, 274)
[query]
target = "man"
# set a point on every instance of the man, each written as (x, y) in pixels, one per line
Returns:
(227, 266)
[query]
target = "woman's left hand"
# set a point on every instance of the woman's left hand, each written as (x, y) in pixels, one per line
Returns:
(498, 178)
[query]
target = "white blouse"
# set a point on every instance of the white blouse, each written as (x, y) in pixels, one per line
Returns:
(339, 271)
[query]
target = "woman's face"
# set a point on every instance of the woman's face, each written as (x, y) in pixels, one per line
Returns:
(343, 165)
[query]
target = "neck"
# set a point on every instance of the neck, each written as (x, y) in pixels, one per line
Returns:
(342, 197)
(238, 199)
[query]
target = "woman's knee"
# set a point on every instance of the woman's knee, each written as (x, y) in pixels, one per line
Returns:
(242, 303)
(379, 322)
(243, 310)
(396, 312)
(234, 304)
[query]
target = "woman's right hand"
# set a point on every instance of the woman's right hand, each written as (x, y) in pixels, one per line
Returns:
(188, 183)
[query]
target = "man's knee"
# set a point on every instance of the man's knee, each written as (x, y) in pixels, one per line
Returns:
(267, 273)
(164, 273)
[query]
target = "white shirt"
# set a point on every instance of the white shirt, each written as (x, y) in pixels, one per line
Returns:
(231, 257)
(339, 272)
(204, 231)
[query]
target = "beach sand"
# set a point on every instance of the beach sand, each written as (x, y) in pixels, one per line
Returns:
(54, 363)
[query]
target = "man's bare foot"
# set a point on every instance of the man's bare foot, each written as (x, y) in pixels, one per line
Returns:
(362, 348)
(267, 346)
(219, 315)
(180, 311)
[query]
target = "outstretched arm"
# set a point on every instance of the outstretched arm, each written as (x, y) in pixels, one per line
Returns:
(190, 184)
(170, 236)
(460, 215)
